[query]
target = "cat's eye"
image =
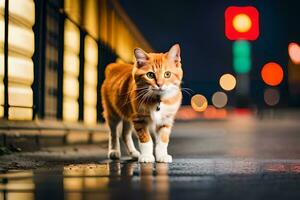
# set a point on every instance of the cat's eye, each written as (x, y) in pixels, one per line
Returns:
(167, 74)
(150, 75)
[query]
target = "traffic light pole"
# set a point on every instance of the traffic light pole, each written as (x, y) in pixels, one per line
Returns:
(243, 90)
(242, 65)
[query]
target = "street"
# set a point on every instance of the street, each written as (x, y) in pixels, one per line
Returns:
(238, 158)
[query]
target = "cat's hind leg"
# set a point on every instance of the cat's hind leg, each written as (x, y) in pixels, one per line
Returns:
(114, 151)
(127, 138)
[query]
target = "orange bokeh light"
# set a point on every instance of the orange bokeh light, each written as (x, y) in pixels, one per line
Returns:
(272, 74)
(213, 113)
(199, 103)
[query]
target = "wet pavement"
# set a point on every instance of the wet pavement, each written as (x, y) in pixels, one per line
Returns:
(240, 158)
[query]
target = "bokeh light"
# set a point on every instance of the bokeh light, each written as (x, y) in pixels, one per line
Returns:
(271, 96)
(242, 23)
(272, 74)
(210, 112)
(227, 82)
(219, 99)
(213, 113)
(294, 52)
(199, 103)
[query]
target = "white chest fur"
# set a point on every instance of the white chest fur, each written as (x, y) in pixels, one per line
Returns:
(165, 115)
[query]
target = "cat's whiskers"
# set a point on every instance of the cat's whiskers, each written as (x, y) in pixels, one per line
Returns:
(144, 98)
(141, 93)
(137, 89)
(187, 90)
(150, 95)
(141, 99)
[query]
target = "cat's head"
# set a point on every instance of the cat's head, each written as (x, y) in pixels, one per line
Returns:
(160, 73)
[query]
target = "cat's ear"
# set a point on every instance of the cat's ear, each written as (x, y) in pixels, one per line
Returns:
(141, 56)
(174, 53)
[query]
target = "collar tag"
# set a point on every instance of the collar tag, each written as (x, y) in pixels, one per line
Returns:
(158, 107)
(158, 103)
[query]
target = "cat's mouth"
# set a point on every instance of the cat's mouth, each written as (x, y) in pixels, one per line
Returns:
(159, 91)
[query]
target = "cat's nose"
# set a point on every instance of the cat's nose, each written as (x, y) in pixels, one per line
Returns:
(159, 84)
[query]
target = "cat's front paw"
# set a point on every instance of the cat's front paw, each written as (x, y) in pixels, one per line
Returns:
(114, 154)
(146, 158)
(164, 158)
(135, 154)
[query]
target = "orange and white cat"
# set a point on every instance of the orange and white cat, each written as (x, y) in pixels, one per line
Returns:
(145, 97)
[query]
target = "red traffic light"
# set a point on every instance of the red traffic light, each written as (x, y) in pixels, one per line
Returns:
(241, 23)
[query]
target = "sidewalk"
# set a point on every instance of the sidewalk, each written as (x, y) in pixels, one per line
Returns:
(54, 156)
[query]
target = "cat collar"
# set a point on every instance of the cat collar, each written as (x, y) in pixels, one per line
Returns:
(158, 103)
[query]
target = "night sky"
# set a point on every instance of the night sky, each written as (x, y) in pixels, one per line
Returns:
(198, 26)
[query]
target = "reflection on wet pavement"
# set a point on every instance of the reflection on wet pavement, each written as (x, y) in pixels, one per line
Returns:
(185, 178)
(212, 160)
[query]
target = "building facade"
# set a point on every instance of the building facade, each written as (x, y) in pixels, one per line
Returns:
(53, 54)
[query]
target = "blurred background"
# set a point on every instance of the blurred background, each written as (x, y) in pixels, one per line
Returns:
(208, 53)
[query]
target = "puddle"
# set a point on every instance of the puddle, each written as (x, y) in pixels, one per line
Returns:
(129, 180)
(112, 180)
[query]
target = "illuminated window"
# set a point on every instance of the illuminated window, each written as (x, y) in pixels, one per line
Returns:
(20, 64)
(71, 72)
(90, 80)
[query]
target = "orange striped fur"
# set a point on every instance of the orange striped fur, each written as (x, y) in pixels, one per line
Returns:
(132, 93)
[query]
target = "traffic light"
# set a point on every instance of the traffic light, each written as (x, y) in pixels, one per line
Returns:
(241, 23)
(241, 56)
(242, 26)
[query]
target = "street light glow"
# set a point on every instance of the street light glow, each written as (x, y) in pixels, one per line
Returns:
(219, 99)
(294, 52)
(227, 82)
